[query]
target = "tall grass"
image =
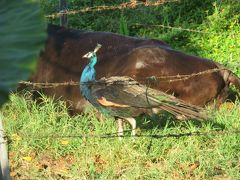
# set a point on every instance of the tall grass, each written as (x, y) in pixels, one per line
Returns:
(43, 144)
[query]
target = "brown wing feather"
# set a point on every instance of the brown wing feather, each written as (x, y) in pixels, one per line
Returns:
(126, 92)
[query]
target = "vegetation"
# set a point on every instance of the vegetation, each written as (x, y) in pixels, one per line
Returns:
(43, 142)
(47, 142)
(219, 18)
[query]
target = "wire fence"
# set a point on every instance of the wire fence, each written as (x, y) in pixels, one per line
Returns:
(174, 28)
(180, 29)
(133, 5)
(170, 79)
(129, 5)
(220, 132)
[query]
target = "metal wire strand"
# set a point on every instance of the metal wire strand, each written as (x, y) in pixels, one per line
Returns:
(169, 79)
(129, 5)
(115, 135)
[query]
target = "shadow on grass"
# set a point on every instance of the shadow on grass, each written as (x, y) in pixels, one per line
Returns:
(167, 120)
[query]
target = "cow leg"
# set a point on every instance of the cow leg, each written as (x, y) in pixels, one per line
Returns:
(100, 116)
(120, 128)
(222, 97)
(81, 107)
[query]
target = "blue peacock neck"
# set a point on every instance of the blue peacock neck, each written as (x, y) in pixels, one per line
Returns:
(88, 76)
(89, 73)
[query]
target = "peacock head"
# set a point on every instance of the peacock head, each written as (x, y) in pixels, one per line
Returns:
(92, 55)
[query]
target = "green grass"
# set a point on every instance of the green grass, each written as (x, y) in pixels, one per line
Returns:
(40, 147)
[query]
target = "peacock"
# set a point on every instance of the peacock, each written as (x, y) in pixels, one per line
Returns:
(125, 99)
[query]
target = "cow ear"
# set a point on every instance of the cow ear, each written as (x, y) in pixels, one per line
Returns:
(23, 35)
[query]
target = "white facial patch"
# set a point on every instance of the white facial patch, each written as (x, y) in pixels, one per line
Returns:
(140, 65)
(88, 55)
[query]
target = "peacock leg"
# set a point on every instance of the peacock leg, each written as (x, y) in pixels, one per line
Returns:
(133, 123)
(120, 128)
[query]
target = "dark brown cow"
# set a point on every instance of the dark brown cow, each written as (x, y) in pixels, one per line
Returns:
(61, 61)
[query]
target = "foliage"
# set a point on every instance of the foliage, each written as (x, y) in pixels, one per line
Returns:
(225, 45)
(22, 34)
(123, 28)
(45, 144)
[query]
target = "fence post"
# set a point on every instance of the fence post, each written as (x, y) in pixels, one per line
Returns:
(4, 166)
(1, 176)
(63, 9)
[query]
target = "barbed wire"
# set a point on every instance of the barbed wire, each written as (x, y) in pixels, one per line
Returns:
(129, 5)
(174, 28)
(115, 135)
(179, 29)
(169, 79)
(132, 5)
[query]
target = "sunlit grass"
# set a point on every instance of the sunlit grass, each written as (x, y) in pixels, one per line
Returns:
(40, 146)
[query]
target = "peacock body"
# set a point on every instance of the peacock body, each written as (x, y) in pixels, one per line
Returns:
(124, 98)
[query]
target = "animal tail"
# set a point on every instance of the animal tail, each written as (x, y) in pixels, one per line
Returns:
(229, 76)
(183, 111)
(178, 107)
(234, 79)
